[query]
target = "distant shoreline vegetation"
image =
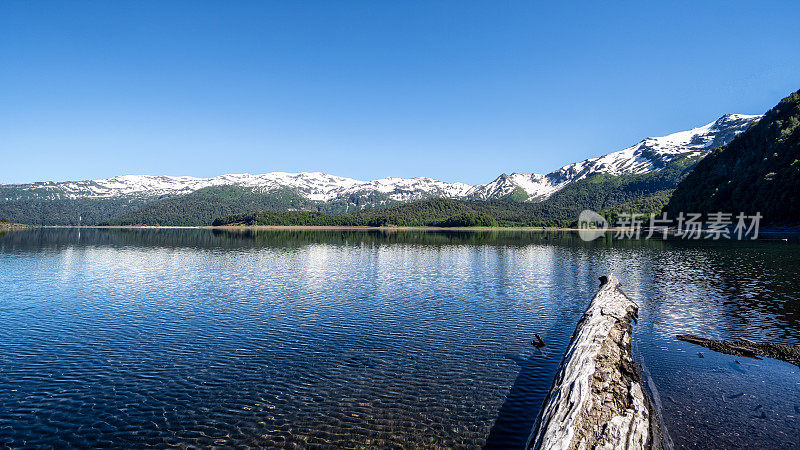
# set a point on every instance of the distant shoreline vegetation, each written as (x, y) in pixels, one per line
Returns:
(6, 225)
(314, 219)
(427, 213)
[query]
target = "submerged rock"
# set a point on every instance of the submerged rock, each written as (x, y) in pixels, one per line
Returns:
(537, 341)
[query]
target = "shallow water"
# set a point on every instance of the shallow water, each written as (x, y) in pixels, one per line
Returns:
(349, 339)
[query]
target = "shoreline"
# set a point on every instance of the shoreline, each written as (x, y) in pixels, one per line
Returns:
(780, 229)
(307, 227)
(11, 226)
(367, 228)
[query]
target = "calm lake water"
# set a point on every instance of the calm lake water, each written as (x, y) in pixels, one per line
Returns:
(352, 339)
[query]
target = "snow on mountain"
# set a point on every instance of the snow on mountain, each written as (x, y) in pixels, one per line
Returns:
(312, 185)
(533, 184)
(648, 155)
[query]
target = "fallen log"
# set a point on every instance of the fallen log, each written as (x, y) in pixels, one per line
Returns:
(745, 347)
(597, 399)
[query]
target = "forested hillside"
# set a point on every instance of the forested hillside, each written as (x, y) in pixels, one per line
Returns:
(203, 206)
(433, 212)
(66, 211)
(759, 171)
(638, 193)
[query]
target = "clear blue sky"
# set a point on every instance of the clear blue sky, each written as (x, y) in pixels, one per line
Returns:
(459, 91)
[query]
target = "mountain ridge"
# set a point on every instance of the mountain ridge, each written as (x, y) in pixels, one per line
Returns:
(649, 154)
(599, 183)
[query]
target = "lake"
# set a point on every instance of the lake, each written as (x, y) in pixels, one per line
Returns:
(371, 338)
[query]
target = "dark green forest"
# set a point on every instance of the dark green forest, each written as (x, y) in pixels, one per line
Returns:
(432, 212)
(204, 205)
(758, 171)
(638, 193)
(66, 211)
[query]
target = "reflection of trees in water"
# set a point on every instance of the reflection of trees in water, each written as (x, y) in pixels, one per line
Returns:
(235, 238)
(248, 237)
(754, 285)
(757, 285)
(723, 289)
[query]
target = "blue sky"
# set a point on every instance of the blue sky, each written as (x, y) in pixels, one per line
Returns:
(459, 91)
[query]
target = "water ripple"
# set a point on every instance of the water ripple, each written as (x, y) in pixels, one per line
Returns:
(335, 339)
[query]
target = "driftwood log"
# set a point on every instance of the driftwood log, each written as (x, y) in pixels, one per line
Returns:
(597, 399)
(745, 347)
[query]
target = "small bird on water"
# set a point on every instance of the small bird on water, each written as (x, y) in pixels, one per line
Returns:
(537, 341)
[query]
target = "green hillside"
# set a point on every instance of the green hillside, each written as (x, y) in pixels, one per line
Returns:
(759, 171)
(432, 212)
(204, 205)
(637, 193)
(66, 211)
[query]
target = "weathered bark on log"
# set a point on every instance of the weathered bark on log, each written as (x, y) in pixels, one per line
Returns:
(597, 399)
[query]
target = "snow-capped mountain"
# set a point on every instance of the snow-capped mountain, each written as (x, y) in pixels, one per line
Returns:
(311, 185)
(648, 155)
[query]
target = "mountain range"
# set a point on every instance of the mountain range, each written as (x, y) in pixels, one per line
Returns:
(144, 198)
(648, 155)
